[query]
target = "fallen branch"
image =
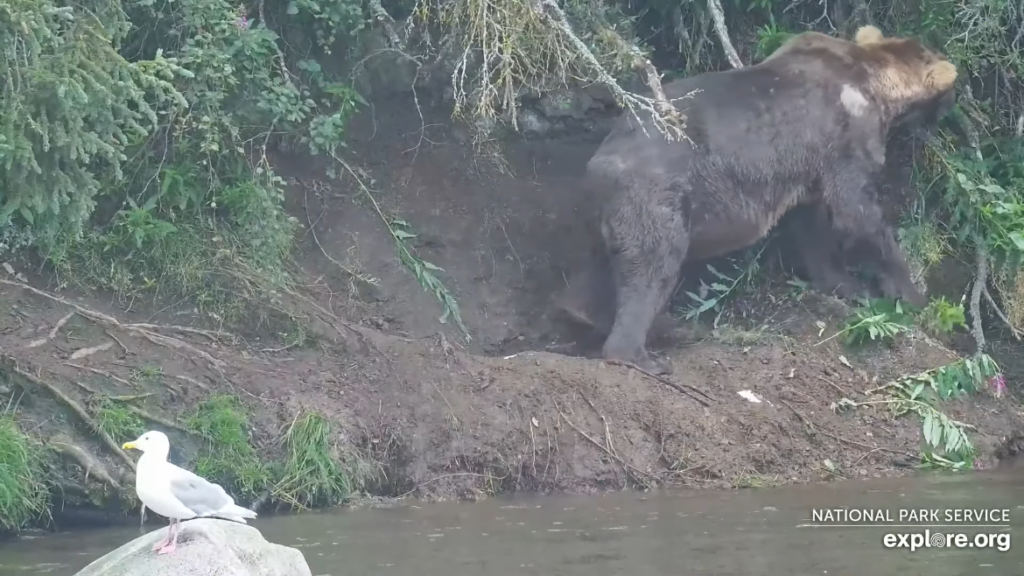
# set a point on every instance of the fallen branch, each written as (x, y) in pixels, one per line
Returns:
(75, 407)
(684, 388)
(718, 15)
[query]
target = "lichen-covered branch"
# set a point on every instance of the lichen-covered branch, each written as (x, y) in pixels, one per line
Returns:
(718, 15)
(505, 49)
(386, 21)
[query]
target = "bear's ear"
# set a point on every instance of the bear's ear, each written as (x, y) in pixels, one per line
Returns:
(941, 75)
(868, 35)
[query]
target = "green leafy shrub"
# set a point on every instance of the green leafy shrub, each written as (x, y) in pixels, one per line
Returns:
(23, 494)
(228, 457)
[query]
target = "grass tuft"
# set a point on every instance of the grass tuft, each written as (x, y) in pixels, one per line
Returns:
(312, 474)
(23, 495)
(119, 422)
(228, 459)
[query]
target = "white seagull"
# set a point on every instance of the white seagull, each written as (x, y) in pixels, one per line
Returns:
(176, 493)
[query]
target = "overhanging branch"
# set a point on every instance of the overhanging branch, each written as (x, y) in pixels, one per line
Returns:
(666, 117)
(718, 15)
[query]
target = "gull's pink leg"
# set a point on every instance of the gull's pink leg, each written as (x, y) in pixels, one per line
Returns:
(166, 539)
(172, 540)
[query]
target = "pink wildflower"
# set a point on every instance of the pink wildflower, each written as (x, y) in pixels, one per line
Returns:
(998, 382)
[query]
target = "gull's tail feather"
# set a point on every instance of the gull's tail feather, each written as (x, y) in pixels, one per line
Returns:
(234, 512)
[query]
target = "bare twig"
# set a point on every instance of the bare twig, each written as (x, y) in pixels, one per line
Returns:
(818, 429)
(834, 385)
(633, 470)
(999, 312)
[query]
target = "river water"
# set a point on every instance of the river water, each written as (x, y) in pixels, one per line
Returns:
(758, 532)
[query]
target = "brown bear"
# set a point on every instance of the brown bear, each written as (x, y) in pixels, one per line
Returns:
(815, 250)
(808, 125)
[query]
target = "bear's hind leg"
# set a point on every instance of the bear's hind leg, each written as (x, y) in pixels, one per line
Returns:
(647, 243)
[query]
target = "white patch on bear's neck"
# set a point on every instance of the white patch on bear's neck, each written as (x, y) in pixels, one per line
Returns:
(853, 100)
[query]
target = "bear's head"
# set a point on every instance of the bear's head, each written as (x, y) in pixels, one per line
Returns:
(916, 81)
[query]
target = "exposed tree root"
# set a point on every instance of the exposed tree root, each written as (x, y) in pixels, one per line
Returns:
(74, 406)
(53, 333)
(215, 335)
(100, 372)
(999, 312)
(144, 330)
(158, 419)
(87, 461)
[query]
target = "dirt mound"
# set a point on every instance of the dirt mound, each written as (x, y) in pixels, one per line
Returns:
(447, 423)
(444, 417)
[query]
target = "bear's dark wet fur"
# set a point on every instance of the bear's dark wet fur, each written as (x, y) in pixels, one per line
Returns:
(812, 248)
(808, 126)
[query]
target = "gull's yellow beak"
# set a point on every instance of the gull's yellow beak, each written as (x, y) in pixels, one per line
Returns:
(128, 445)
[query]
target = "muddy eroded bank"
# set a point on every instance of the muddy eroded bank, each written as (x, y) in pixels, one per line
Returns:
(430, 414)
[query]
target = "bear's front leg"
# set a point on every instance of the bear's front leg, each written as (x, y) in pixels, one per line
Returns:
(856, 214)
(820, 253)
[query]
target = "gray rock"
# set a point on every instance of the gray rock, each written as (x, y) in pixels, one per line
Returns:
(206, 547)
